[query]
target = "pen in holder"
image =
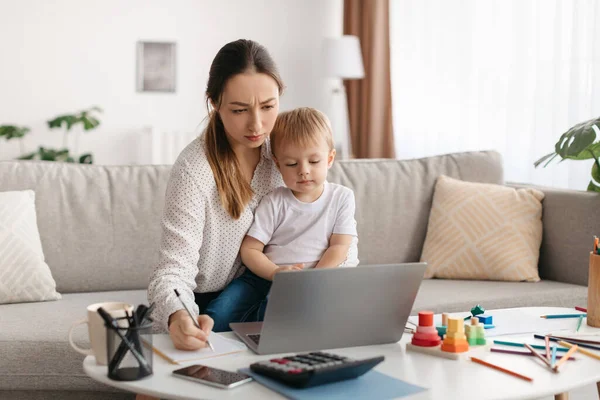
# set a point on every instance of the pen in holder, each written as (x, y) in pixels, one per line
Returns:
(593, 304)
(128, 346)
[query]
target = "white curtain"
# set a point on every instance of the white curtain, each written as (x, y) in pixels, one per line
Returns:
(509, 75)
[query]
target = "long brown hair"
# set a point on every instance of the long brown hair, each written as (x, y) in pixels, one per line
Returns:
(233, 58)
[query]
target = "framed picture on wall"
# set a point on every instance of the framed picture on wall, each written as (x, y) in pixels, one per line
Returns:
(156, 66)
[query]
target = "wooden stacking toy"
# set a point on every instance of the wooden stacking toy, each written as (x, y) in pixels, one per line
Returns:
(426, 335)
(441, 330)
(455, 340)
(475, 333)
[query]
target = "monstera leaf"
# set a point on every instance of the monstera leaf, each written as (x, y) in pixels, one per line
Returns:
(593, 187)
(579, 143)
(576, 144)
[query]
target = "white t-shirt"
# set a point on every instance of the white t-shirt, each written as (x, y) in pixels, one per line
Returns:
(296, 232)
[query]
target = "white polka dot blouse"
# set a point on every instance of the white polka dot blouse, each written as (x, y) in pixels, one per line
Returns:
(200, 242)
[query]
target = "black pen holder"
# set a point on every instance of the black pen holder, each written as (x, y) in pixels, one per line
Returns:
(129, 359)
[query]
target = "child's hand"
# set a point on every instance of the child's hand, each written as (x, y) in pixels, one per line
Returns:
(287, 268)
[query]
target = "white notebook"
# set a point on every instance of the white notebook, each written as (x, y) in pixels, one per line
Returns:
(163, 346)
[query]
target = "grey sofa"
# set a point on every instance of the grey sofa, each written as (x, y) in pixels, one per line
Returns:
(100, 230)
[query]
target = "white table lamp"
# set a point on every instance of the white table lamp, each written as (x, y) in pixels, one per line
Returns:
(342, 60)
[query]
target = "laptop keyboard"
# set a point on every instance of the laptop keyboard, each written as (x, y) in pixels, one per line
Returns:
(254, 338)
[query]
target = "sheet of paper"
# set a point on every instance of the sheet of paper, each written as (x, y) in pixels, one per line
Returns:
(163, 345)
(516, 321)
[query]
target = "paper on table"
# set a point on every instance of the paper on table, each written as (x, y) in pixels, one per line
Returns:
(515, 322)
(163, 346)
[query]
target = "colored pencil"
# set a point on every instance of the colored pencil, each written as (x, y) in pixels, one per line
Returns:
(538, 355)
(559, 316)
(581, 309)
(553, 360)
(521, 353)
(501, 369)
(579, 323)
(570, 340)
(547, 340)
(577, 340)
(572, 350)
(516, 344)
(582, 351)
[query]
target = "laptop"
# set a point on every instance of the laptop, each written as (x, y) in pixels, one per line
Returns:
(320, 309)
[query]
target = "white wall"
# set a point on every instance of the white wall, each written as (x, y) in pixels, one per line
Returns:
(65, 55)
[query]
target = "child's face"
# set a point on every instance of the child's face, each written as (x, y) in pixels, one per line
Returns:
(304, 169)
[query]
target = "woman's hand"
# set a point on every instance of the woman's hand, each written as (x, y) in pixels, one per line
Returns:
(185, 335)
(286, 268)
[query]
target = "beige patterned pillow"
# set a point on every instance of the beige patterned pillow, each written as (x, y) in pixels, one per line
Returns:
(483, 231)
(24, 275)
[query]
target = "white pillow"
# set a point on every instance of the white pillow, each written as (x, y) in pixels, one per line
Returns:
(24, 275)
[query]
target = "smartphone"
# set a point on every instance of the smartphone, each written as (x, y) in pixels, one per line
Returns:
(212, 376)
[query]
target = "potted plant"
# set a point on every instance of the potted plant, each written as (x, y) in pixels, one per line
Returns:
(579, 143)
(84, 119)
(14, 132)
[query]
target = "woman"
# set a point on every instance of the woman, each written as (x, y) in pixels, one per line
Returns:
(214, 188)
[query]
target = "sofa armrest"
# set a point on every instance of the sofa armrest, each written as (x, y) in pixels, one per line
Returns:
(571, 218)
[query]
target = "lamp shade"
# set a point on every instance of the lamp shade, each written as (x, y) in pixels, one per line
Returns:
(343, 58)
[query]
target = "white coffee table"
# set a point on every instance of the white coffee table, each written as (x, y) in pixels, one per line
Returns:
(445, 379)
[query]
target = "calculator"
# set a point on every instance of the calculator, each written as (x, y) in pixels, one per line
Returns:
(313, 369)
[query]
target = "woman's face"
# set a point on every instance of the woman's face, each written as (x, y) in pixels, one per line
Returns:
(249, 107)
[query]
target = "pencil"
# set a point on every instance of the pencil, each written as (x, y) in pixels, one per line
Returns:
(522, 353)
(582, 351)
(558, 316)
(560, 362)
(538, 355)
(547, 340)
(578, 342)
(501, 369)
(581, 309)
(193, 319)
(517, 344)
(579, 323)
(553, 360)
(575, 340)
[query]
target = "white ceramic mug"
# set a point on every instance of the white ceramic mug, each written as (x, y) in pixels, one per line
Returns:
(97, 330)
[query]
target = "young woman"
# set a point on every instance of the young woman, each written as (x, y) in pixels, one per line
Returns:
(214, 188)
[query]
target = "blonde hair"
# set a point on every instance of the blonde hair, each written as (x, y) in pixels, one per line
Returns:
(302, 127)
(234, 58)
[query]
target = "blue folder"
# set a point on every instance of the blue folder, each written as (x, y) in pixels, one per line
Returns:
(372, 386)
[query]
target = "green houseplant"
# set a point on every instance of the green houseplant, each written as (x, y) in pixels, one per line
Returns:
(14, 132)
(85, 119)
(579, 143)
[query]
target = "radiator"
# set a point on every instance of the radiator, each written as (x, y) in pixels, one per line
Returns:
(165, 146)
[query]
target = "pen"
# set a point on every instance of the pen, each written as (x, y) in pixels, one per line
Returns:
(193, 319)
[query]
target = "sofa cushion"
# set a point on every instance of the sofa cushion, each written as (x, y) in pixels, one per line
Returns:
(441, 295)
(99, 225)
(393, 198)
(24, 275)
(483, 231)
(35, 347)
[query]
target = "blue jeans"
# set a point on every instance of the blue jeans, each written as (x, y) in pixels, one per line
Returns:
(243, 300)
